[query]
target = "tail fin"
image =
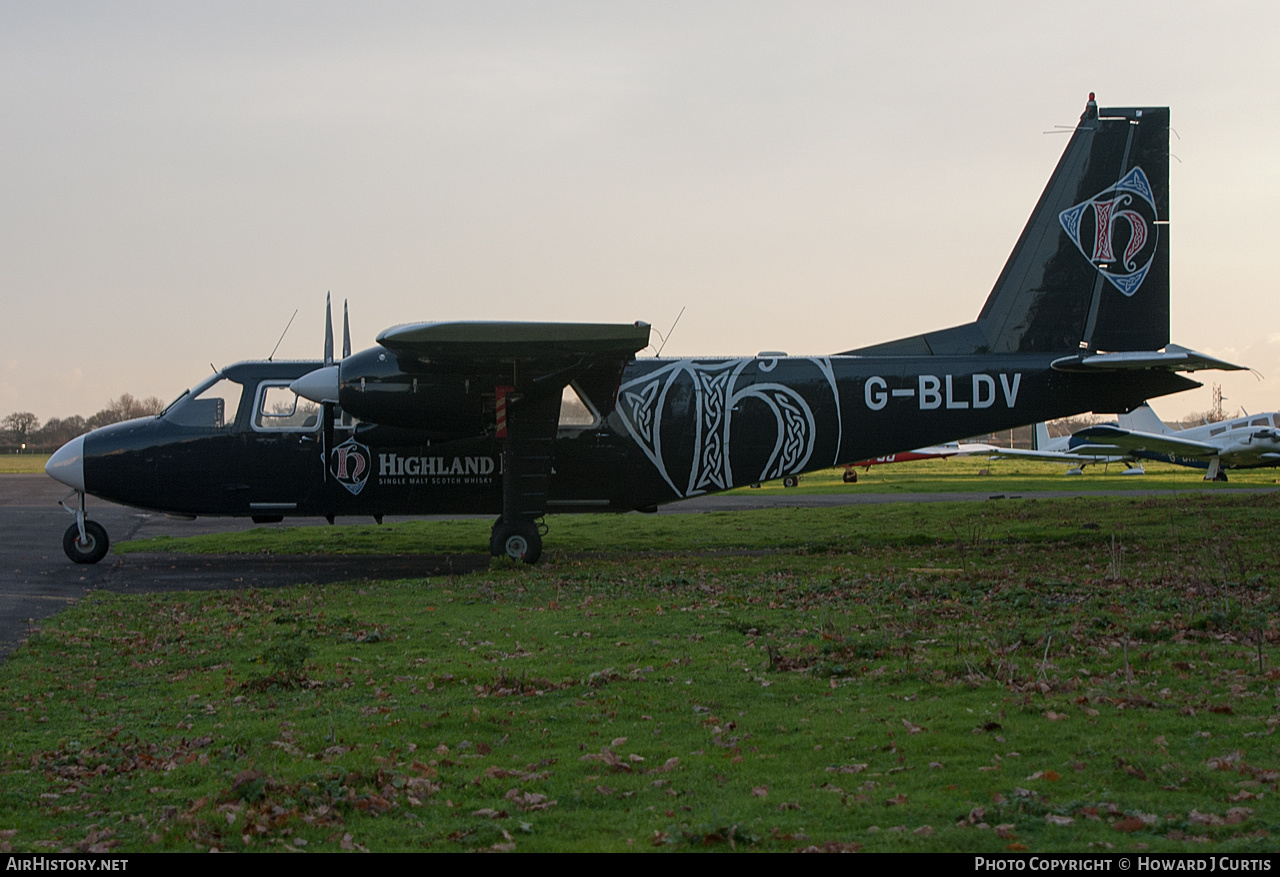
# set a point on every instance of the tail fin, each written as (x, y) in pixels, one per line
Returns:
(1144, 419)
(1091, 268)
(1041, 441)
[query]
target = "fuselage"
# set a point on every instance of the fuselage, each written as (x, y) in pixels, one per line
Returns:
(243, 444)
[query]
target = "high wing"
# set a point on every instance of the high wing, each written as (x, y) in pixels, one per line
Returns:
(1115, 440)
(471, 343)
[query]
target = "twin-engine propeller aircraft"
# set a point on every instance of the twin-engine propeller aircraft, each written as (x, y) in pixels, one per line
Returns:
(521, 419)
(1247, 442)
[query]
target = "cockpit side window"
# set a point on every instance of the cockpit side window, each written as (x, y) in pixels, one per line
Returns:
(213, 405)
(279, 408)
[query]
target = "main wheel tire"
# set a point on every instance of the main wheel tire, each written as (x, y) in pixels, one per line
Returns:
(850, 477)
(519, 541)
(93, 549)
(790, 481)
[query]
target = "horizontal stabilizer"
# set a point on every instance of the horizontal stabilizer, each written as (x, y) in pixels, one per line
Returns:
(1172, 358)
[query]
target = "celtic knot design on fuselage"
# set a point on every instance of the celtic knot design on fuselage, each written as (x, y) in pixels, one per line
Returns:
(725, 404)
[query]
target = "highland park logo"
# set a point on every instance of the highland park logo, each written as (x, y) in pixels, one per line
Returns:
(1116, 230)
(350, 465)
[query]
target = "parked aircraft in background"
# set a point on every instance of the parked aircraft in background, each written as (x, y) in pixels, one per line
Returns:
(934, 452)
(521, 419)
(1239, 443)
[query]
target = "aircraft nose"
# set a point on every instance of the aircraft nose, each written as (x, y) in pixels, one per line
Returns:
(320, 385)
(67, 464)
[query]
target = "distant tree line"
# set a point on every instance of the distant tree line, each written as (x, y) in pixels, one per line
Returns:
(23, 428)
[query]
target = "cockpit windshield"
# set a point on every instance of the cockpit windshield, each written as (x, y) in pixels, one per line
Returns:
(212, 404)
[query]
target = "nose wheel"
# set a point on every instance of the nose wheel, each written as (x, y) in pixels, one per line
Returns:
(87, 548)
(85, 541)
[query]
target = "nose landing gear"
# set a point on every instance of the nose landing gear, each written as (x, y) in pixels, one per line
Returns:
(89, 548)
(85, 541)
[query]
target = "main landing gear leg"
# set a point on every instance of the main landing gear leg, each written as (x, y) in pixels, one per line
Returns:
(513, 536)
(85, 541)
(526, 423)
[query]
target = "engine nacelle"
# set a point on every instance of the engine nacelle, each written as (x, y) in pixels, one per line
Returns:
(376, 386)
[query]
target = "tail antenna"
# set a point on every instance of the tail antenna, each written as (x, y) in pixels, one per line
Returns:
(328, 332)
(346, 331)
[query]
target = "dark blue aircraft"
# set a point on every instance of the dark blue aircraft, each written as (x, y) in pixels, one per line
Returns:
(522, 419)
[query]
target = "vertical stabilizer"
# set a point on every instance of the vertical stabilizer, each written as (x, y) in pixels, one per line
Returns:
(1092, 264)
(1144, 419)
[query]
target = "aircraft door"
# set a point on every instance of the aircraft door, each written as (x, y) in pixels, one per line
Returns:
(284, 447)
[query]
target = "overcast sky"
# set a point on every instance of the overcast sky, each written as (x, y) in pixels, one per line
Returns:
(177, 179)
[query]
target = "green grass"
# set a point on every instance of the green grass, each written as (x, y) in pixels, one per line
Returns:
(23, 464)
(802, 530)
(1041, 675)
(981, 475)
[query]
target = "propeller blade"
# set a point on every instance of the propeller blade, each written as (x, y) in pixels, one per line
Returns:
(328, 333)
(327, 412)
(346, 331)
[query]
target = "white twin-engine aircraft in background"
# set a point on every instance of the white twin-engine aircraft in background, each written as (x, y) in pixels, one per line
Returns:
(521, 419)
(1248, 442)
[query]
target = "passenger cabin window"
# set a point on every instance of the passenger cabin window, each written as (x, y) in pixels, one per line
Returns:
(1218, 431)
(1240, 424)
(212, 405)
(576, 412)
(279, 408)
(1259, 421)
